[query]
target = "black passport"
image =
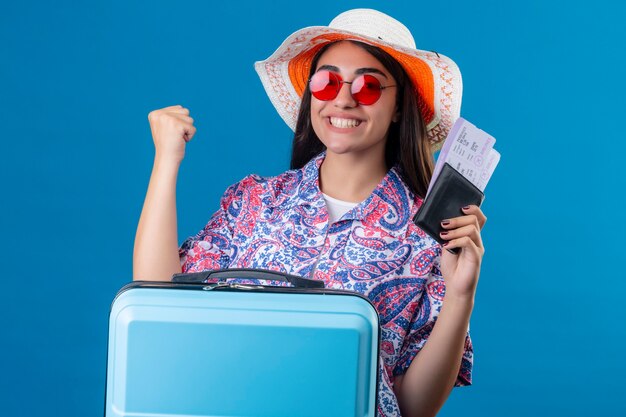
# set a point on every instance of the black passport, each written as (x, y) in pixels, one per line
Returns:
(450, 192)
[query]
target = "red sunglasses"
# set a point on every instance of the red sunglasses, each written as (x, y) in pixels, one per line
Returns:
(365, 88)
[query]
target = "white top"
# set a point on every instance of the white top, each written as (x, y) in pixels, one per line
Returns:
(337, 208)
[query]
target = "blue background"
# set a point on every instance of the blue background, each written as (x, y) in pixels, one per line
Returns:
(77, 81)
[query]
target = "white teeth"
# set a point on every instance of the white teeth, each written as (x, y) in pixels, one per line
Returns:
(344, 123)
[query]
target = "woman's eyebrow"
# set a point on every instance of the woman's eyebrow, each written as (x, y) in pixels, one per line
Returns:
(328, 68)
(358, 72)
(369, 70)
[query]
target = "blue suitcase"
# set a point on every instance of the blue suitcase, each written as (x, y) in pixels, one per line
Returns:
(192, 348)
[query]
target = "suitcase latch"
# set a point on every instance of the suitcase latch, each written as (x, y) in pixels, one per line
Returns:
(215, 285)
(235, 286)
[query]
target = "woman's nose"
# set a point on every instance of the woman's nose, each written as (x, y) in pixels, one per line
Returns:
(344, 99)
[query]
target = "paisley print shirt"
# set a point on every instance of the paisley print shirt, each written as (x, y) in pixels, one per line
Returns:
(281, 223)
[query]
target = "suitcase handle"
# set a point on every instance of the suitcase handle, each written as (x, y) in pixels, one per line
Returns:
(248, 273)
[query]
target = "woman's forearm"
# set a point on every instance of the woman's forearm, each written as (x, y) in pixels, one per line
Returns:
(155, 256)
(426, 385)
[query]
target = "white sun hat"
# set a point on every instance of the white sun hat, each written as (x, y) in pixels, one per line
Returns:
(436, 78)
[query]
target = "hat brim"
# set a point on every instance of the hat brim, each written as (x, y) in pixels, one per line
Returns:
(436, 78)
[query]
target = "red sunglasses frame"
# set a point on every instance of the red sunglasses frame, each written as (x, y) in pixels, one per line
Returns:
(366, 84)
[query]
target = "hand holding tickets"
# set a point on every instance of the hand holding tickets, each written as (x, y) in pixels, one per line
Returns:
(465, 164)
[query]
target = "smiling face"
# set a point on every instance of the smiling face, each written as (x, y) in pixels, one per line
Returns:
(342, 124)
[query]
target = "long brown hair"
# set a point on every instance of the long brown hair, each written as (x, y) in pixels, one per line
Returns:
(407, 147)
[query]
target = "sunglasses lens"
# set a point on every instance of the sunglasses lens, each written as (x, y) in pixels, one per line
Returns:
(366, 89)
(324, 85)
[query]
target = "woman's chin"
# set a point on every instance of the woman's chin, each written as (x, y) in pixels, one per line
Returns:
(340, 149)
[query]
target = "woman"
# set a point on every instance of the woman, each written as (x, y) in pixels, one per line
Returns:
(364, 133)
